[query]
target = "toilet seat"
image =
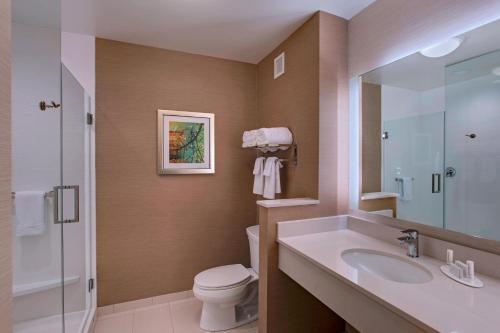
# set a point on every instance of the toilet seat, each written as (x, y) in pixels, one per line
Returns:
(223, 277)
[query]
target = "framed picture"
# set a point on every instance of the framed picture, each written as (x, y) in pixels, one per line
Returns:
(186, 142)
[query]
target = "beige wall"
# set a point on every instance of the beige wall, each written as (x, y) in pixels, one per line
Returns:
(5, 198)
(371, 151)
(391, 29)
(333, 115)
(155, 233)
(292, 101)
(310, 98)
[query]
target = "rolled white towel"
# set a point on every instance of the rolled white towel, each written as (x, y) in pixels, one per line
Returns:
(274, 136)
(249, 138)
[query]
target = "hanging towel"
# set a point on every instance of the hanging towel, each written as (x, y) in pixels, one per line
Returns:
(29, 213)
(272, 183)
(258, 180)
(406, 189)
(274, 136)
(278, 180)
(249, 138)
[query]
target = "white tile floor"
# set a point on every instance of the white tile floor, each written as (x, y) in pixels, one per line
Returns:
(180, 316)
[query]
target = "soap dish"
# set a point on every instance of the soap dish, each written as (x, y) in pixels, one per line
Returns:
(475, 283)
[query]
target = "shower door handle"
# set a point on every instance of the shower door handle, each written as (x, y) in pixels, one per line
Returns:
(436, 183)
(76, 202)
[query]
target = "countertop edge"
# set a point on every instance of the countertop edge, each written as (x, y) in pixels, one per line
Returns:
(287, 202)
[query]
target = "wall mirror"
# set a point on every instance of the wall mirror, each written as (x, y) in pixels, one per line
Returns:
(430, 136)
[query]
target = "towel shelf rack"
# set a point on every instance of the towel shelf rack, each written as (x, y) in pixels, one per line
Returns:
(278, 148)
(48, 194)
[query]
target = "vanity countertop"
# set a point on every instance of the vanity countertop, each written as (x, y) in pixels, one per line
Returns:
(441, 304)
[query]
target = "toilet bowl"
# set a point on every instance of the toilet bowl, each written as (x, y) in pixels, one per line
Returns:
(230, 293)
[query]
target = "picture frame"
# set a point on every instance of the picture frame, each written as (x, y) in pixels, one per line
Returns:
(186, 142)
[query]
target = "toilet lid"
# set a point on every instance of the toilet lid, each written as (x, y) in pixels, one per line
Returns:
(222, 277)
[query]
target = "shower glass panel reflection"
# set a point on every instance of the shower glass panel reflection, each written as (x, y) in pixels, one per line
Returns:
(412, 116)
(412, 153)
(472, 145)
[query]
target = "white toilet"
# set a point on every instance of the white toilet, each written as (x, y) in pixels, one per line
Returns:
(230, 293)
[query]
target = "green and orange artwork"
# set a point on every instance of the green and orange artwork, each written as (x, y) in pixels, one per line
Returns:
(186, 142)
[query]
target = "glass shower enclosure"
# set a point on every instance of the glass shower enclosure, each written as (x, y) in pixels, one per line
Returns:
(445, 148)
(472, 146)
(51, 152)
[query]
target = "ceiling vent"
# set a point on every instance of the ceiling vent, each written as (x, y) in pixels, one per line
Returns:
(279, 65)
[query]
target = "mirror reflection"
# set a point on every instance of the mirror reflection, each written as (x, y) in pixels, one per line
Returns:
(430, 132)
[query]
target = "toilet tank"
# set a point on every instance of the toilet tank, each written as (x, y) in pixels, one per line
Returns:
(253, 240)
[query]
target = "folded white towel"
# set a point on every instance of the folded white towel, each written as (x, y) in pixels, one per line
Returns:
(272, 183)
(274, 136)
(249, 138)
(29, 213)
(258, 171)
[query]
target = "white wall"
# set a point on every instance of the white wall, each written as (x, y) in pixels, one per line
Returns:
(402, 103)
(78, 55)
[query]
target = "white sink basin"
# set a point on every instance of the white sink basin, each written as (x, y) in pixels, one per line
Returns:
(386, 265)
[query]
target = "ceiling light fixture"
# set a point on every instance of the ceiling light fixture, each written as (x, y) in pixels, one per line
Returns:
(443, 48)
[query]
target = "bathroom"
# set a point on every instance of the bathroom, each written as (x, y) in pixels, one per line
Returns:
(329, 166)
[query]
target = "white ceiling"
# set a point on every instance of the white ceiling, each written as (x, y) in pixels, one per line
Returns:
(244, 30)
(417, 72)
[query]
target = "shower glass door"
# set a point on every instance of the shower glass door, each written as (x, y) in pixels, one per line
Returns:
(36, 166)
(472, 158)
(50, 178)
(76, 151)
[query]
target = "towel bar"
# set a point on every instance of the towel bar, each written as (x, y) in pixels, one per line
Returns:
(294, 159)
(401, 179)
(49, 194)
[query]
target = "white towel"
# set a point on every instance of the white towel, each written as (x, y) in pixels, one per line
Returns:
(274, 136)
(249, 138)
(406, 189)
(29, 213)
(272, 183)
(258, 180)
(278, 180)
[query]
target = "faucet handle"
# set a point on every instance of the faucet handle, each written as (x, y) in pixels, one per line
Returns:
(403, 239)
(410, 232)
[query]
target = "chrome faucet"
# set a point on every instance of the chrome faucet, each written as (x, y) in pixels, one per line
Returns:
(411, 241)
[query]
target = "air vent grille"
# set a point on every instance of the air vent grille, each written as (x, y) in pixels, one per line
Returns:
(279, 65)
